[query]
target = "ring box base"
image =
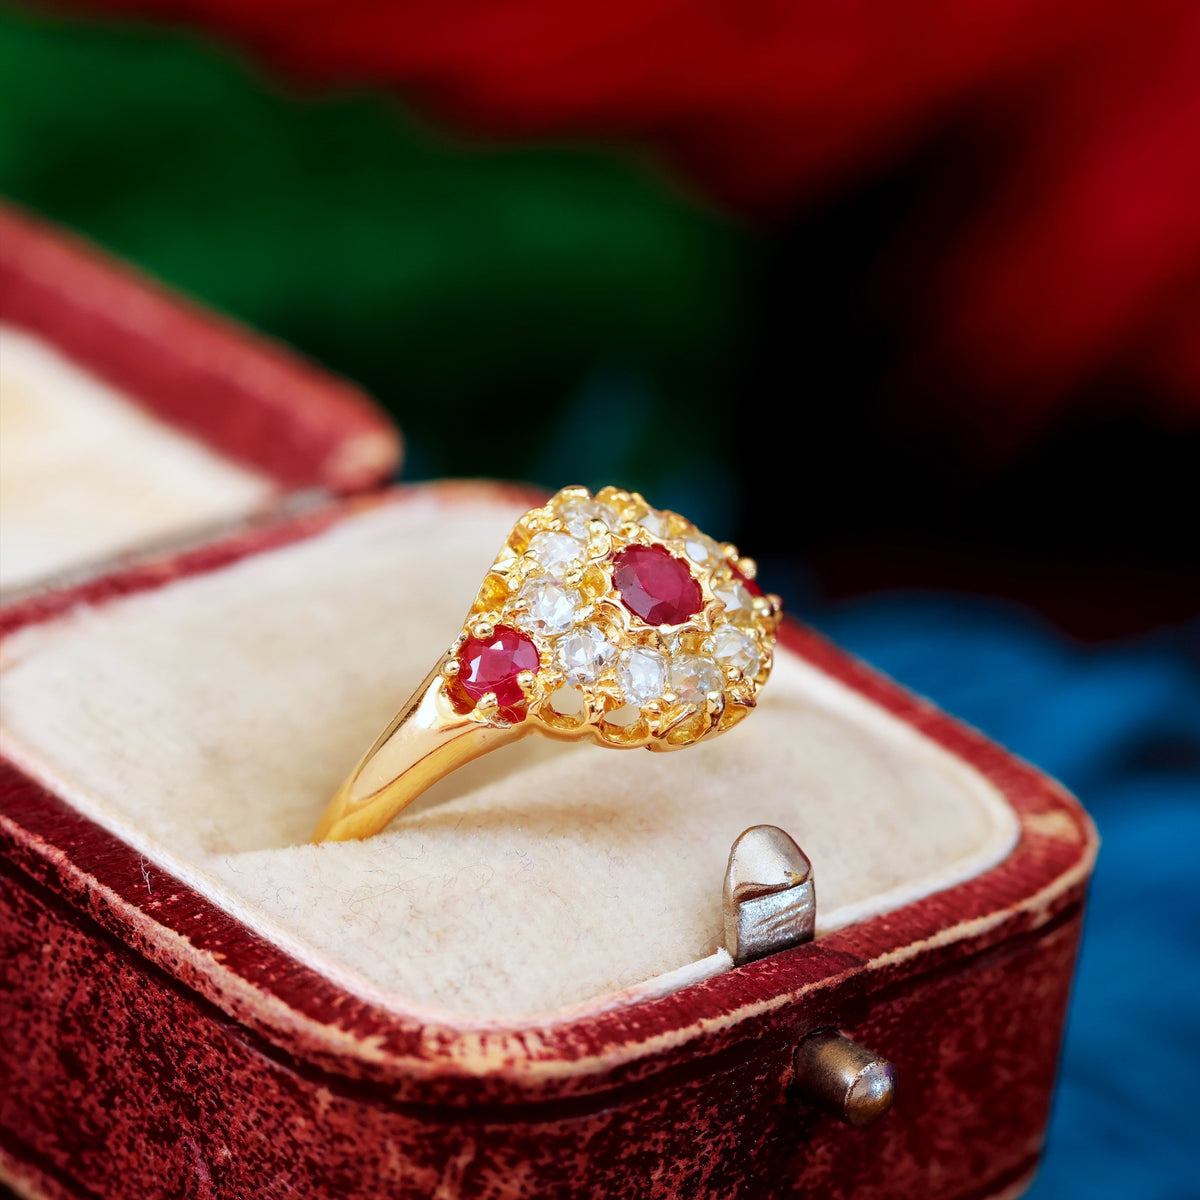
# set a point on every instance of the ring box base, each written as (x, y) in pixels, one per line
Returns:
(519, 990)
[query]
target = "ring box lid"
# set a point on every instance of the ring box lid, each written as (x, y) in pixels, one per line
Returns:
(131, 418)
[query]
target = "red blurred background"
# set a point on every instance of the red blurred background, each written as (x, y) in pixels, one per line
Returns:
(976, 316)
(1059, 243)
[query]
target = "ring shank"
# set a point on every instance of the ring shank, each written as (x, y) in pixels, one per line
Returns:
(424, 743)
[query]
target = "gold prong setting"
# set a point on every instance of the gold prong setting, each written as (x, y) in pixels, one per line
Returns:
(603, 671)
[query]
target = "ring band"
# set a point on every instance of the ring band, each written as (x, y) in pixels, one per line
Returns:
(601, 618)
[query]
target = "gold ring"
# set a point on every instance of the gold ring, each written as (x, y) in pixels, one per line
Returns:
(601, 618)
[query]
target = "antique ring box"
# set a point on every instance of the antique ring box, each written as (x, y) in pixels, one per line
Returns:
(525, 988)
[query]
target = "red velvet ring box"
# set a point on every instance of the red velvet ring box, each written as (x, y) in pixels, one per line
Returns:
(520, 989)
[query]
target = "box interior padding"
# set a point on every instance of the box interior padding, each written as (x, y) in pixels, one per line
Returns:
(208, 721)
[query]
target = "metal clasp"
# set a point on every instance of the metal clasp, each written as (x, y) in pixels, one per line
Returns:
(769, 900)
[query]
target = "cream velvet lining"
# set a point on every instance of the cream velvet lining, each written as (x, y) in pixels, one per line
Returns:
(86, 474)
(208, 722)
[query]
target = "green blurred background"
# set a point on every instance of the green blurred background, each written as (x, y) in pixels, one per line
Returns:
(576, 289)
(626, 327)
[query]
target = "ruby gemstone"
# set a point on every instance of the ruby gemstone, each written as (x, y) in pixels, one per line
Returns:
(656, 586)
(492, 665)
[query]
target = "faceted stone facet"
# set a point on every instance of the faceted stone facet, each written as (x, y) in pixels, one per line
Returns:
(492, 665)
(577, 514)
(733, 648)
(585, 654)
(656, 586)
(642, 675)
(692, 678)
(549, 607)
(702, 550)
(739, 604)
(556, 552)
(654, 522)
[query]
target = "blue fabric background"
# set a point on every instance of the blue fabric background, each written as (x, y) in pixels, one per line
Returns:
(1119, 724)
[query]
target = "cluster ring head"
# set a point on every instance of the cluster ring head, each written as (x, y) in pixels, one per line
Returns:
(606, 618)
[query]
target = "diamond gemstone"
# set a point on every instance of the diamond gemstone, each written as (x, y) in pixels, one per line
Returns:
(739, 604)
(549, 607)
(642, 675)
(656, 586)
(585, 654)
(702, 550)
(654, 522)
(556, 552)
(733, 648)
(492, 665)
(577, 513)
(692, 678)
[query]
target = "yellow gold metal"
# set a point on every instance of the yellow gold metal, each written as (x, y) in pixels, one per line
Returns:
(425, 742)
(439, 729)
